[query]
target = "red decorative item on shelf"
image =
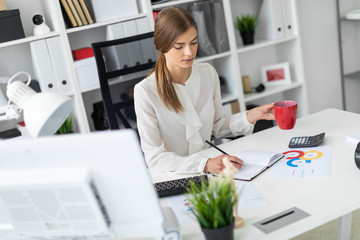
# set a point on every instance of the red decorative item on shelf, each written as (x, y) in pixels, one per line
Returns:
(155, 14)
(82, 53)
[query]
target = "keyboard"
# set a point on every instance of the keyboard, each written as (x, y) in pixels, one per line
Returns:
(177, 186)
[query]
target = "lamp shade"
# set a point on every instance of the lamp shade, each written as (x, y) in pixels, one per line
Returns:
(44, 113)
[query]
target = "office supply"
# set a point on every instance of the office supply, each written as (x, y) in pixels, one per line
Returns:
(44, 71)
(11, 27)
(134, 48)
(60, 69)
(304, 163)
(280, 220)
(87, 73)
(67, 14)
(177, 186)
(74, 12)
(218, 19)
(114, 107)
(80, 12)
(43, 112)
(270, 20)
(86, 11)
(96, 201)
(306, 141)
(287, 11)
(117, 57)
(256, 162)
(214, 146)
(149, 53)
(82, 53)
(113, 9)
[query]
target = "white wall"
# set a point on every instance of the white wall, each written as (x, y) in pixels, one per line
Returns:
(319, 36)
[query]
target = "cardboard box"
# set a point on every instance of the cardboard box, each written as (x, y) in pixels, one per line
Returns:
(10, 25)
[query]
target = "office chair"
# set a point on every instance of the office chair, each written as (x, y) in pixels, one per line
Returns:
(113, 60)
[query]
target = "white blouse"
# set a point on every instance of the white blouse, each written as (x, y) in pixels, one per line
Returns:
(171, 141)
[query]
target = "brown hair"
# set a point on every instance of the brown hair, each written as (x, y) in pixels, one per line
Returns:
(170, 23)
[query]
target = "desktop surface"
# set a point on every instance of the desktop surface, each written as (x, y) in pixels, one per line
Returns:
(325, 199)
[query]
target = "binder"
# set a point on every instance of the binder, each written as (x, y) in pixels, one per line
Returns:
(117, 57)
(147, 45)
(43, 68)
(205, 46)
(67, 14)
(218, 19)
(270, 20)
(86, 11)
(134, 48)
(80, 12)
(74, 12)
(58, 62)
(288, 19)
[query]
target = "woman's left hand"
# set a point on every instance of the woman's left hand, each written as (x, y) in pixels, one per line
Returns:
(262, 112)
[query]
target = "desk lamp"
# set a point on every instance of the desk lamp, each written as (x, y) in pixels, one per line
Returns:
(43, 112)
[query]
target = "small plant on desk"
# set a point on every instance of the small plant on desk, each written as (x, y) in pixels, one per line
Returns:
(212, 205)
(66, 127)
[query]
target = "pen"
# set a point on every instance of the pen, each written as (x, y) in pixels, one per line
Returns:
(220, 150)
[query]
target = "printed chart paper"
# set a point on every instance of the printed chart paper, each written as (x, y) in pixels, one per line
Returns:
(302, 163)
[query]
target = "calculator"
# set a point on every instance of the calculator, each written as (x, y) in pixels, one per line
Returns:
(306, 141)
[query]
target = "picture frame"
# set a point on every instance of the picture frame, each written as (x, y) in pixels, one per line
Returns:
(276, 74)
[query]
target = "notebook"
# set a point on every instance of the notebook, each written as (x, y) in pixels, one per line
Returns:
(255, 163)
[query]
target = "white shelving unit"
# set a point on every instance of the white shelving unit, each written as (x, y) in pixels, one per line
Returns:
(349, 36)
(231, 65)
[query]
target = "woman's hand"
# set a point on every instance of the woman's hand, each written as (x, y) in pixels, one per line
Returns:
(215, 165)
(262, 112)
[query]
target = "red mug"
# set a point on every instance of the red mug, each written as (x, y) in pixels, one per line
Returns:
(285, 114)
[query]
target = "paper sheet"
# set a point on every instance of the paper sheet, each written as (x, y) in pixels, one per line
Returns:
(302, 163)
(248, 197)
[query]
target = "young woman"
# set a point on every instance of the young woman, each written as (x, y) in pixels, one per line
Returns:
(178, 105)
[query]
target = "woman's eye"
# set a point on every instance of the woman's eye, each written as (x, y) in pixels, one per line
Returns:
(194, 43)
(178, 47)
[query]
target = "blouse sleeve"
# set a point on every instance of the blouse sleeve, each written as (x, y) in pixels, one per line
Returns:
(156, 155)
(226, 124)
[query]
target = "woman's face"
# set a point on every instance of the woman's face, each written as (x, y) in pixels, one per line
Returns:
(182, 53)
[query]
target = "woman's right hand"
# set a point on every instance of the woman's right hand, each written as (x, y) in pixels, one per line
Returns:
(215, 165)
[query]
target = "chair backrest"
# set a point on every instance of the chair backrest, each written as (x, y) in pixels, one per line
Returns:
(116, 67)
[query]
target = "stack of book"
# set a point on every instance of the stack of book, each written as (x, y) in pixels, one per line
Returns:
(77, 12)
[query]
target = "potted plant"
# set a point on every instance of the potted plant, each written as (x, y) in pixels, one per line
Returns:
(246, 25)
(66, 127)
(212, 204)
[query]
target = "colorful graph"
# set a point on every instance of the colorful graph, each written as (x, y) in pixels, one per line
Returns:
(304, 163)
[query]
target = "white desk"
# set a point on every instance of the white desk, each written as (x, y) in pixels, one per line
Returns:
(324, 199)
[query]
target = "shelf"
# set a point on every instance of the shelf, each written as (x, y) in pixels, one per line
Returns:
(105, 23)
(270, 90)
(260, 43)
(228, 97)
(353, 75)
(28, 39)
(349, 20)
(170, 3)
(213, 57)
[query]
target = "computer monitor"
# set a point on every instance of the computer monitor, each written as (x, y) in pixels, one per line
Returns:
(79, 186)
